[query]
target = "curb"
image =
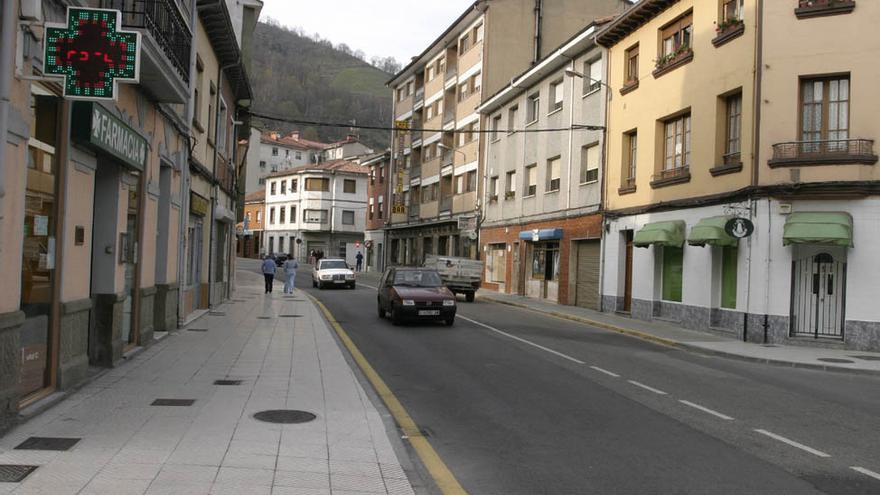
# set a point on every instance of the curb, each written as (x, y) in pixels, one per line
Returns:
(682, 345)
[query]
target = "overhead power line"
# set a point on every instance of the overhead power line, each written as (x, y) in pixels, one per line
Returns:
(286, 120)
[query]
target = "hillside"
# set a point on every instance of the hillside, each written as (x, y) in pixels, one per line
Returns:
(298, 77)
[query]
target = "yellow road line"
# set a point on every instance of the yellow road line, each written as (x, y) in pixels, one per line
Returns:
(442, 475)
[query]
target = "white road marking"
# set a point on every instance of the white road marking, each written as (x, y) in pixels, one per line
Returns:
(524, 341)
(600, 370)
(817, 453)
(368, 286)
(652, 389)
(707, 410)
(866, 472)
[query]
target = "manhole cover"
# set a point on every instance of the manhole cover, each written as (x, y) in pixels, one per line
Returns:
(196, 329)
(173, 402)
(48, 443)
(285, 416)
(867, 358)
(14, 473)
(227, 382)
(836, 360)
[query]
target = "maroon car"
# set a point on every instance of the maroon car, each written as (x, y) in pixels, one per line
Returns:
(415, 294)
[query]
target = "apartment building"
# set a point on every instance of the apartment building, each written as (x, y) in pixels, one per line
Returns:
(275, 152)
(250, 241)
(541, 231)
(680, 150)
(437, 174)
(377, 212)
(316, 208)
(351, 148)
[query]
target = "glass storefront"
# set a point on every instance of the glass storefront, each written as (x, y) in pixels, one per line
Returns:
(129, 259)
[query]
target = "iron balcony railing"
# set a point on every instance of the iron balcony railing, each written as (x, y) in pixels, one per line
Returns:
(163, 20)
(836, 150)
(447, 158)
(734, 158)
(673, 173)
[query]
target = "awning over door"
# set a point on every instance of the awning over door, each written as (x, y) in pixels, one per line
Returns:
(825, 228)
(541, 235)
(669, 234)
(710, 232)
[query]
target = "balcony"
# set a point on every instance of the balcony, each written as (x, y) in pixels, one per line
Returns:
(415, 171)
(670, 177)
(446, 204)
(413, 212)
(448, 118)
(819, 8)
(167, 44)
(730, 164)
(447, 158)
(419, 99)
(825, 152)
(451, 73)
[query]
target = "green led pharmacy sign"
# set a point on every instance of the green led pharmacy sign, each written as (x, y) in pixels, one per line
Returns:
(92, 53)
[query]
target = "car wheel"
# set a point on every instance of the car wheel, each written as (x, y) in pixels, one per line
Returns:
(352, 286)
(450, 321)
(395, 317)
(314, 284)
(470, 296)
(381, 310)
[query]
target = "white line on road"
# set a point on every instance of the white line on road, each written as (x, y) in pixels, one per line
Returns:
(652, 389)
(707, 410)
(866, 472)
(817, 453)
(524, 341)
(367, 286)
(600, 370)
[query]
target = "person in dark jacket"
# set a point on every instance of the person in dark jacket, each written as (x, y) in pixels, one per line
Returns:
(269, 267)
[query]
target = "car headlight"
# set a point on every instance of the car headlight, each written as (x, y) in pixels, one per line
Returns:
(326, 277)
(349, 276)
(409, 302)
(449, 302)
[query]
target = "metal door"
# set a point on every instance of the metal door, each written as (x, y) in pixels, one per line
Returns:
(818, 298)
(588, 257)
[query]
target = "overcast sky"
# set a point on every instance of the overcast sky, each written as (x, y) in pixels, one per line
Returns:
(396, 28)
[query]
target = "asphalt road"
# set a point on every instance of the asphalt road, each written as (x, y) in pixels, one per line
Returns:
(520, 403)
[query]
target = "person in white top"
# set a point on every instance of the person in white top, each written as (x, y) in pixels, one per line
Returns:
(290, 268)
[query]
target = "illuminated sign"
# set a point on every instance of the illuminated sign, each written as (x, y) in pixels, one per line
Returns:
(92, 54)
(95, 126)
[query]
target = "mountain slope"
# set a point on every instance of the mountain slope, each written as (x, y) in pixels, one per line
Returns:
(300, 78)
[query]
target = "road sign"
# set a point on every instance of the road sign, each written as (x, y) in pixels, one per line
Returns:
(92, 54)
(739, 228)
(402, 125)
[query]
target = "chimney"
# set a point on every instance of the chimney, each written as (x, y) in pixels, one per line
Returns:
(294, 135)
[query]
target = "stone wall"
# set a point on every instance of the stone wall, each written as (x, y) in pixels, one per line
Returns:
(9, 367)
(147, 315)
(105, 336)
(165, 307)
(74, 358)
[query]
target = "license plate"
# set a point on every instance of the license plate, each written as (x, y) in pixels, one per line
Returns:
(429, 313)
(339, 281)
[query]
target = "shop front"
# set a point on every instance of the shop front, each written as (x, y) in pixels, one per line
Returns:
(195, 295)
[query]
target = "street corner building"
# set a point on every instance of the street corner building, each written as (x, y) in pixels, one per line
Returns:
(93, 197)
(695, 140)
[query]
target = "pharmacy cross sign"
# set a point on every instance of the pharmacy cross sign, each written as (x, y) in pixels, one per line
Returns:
(92, 54)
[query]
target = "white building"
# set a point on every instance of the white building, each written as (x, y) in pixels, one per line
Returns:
(272, 152)
(316, 208)
(350, 149)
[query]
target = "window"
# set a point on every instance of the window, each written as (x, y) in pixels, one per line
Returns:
(510, 185)
(593, 71)
(471, 183)
(349, 186)
(496, 124)
(197, 99)
(347, 218)
(553, 178)
(315, 216)
(284, 187)
(274, 151)
(262, 165)
(381, 174)
(557, 93)
(400, 94)
(677, 144)
(531, 180)
(212, 119)
(299, 155)
(282, 215)
(380, 207)
(468, 134)
(222, 124)
(248, 216)
(294, 183)
(464, 44)
(545, 261)
(493, 188)
(463, 91)
(262, 181)
(259, 216)
(590, 163)
(272, 216)
(731, 11)
(431, 72)
(632, 65)
(478, 33)
(317, 184)
(825, 112)
(272, 189)
(459, 184)
(533, 108)
(372, 209)
(287, 153)
(293, 214)
(729, 256)
(673, 259)
(495, 263)
(676, 37)
(733, 143)
(511, 119)
(271, 244)
(631, 143)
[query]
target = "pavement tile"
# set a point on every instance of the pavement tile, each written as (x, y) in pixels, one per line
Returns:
(309, 464)
(244, 476)
(357, 483)
(239, 490)
(304, 450)
(295, 490)
(302, 479)
(109, 486)
(398, 486)
(252, 447)
(178, 488)
(392, 471)
(186, 474)
(355, 467)
(130, 471)
(244, 460)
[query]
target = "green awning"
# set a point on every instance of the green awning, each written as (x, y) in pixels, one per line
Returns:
(661, 234)
(710, 232)
(825, 228)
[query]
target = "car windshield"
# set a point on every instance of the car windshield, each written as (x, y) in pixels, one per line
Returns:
(417, 278)
(333, 265)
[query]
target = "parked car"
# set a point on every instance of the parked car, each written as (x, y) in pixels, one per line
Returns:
(333, 273)
(415, 294)
(460, 275)
(280, 260)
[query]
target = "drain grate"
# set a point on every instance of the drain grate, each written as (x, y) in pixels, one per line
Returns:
(836, 360)
(217, 313)
(48, 443)
(196, 329)
(290, 316)
(173, 402)
(15, 473)
(264, 317)
(867, 358)
(285, 416)
(227, 382)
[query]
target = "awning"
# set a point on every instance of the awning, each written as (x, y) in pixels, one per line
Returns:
(825, 228)
(710, 232)
(662, 234)
(541, 235)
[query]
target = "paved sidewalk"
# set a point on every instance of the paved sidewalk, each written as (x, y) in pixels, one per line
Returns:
(215, 446)
(670, 334)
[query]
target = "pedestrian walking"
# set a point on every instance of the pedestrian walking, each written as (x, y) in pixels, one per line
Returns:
(269, 273)
(360, 261)
(290, 268)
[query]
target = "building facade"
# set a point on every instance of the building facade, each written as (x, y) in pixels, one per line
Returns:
(316, 208)
(377, 213)
(541, 231)
(250, 242)
(437, 172)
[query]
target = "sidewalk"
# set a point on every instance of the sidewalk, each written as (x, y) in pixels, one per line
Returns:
(672, 335)
(285, 357)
